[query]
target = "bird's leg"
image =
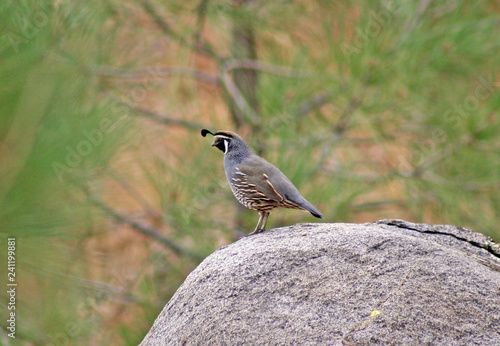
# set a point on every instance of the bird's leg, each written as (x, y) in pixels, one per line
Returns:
(264, 221)
(257, 228)
(261, 224)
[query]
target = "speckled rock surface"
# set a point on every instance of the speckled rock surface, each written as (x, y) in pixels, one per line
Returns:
(390, 282)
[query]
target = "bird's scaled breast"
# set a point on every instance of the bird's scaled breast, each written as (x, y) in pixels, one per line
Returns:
(249, 195)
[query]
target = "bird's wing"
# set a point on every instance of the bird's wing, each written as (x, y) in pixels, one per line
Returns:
(269, 182)
(255, 177)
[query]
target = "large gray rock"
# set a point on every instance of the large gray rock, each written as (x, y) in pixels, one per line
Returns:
(390, 283)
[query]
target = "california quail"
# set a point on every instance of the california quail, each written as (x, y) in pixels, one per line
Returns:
(256, 183)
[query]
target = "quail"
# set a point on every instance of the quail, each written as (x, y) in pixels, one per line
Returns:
(256, 183)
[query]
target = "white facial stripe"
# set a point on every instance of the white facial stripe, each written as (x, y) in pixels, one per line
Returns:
(223, 137)
(226, 144)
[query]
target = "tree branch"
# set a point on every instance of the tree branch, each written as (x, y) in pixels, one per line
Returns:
(237, 97)
(161, 118)
(96, 288)
(157, 72)
(201, 11)
(202, 48)
(412, 23)
(146, 230)
(311, 104)
(265, 67)
(134, 193)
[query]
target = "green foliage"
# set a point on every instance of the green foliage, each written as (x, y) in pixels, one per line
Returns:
(56, 134)
(373, 109)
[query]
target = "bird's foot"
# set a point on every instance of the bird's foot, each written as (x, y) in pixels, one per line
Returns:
(247, 235)
(260, 230)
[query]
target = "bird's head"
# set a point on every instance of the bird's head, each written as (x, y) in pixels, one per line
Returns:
(225, 141)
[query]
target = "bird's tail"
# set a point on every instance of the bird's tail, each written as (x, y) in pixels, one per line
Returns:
(305, 205)
(315, 212)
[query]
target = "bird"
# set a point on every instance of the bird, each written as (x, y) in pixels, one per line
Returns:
(256, 183)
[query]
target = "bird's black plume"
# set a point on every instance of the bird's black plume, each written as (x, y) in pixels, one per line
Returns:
(204, 132)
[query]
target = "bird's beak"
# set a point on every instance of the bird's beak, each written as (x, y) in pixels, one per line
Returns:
(214, 144)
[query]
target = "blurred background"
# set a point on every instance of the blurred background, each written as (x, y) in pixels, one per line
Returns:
(374, 109)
